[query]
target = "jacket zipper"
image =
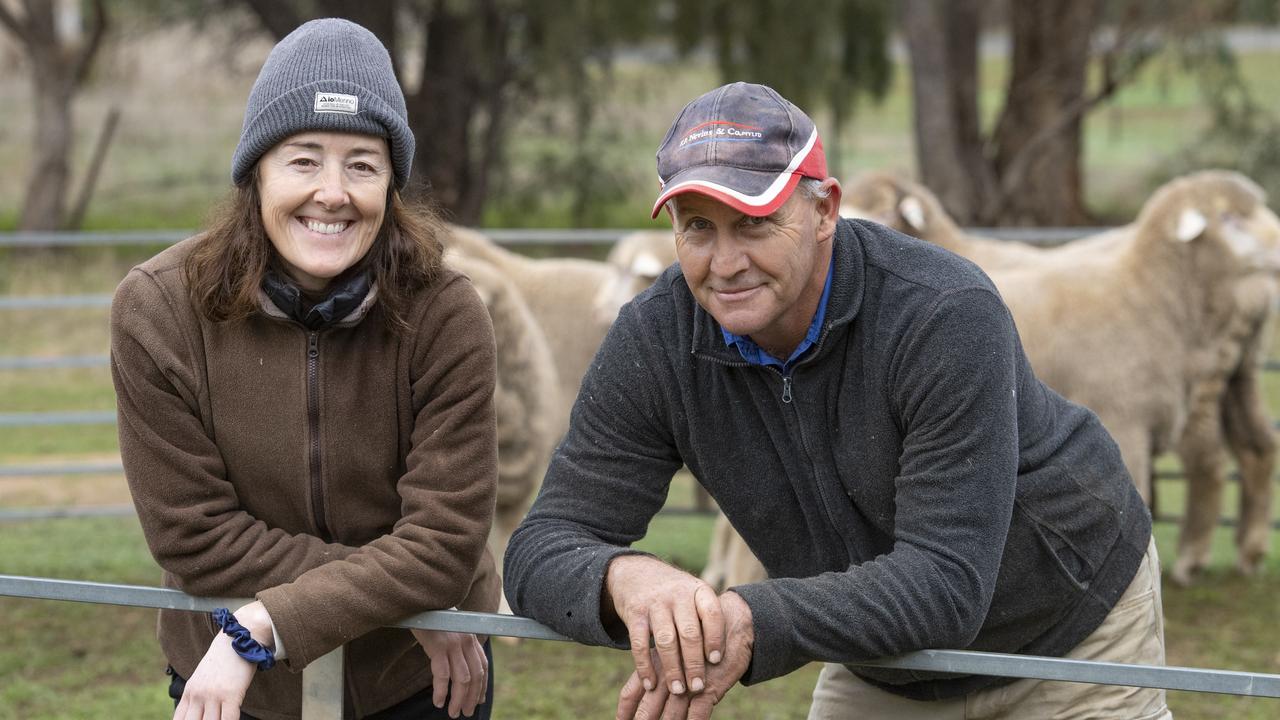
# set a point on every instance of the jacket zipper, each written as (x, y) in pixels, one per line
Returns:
(313, 431)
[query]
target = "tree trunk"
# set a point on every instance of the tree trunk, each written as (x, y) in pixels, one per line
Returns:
(442, 109)
(942, 39)
(50, 178)
(1038, 140)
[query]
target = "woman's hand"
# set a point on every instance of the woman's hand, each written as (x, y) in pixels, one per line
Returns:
(459, 669)
(216, 689)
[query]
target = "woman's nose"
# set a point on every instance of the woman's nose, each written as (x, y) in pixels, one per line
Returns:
(332, 191)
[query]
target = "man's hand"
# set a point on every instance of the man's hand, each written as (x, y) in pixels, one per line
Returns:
(459, 669)
(680, 612)
(636, 702)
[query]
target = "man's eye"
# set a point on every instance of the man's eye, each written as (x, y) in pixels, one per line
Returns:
(757, 220)
(699, 224)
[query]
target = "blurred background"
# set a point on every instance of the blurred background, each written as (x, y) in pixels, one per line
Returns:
(122, 115)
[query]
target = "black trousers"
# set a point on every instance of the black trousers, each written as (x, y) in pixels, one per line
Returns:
(417, 707)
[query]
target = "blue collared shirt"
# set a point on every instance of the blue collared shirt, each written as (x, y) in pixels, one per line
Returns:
(756, 355)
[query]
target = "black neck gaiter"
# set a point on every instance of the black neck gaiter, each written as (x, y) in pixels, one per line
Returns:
(342, 296)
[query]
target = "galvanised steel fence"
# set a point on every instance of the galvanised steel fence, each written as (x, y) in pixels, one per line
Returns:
(322, 680)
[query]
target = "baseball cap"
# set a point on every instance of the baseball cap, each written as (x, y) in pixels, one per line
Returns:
(742, 144)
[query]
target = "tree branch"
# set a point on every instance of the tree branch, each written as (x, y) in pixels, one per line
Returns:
(1112, 81)
(85, 60)
(9, 21)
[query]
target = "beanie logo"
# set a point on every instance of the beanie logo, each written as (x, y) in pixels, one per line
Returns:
(327, 102)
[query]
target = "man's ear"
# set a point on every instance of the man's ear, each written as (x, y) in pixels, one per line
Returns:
(829, 208)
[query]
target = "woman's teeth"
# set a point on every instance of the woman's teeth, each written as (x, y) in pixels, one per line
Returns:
(327, 228)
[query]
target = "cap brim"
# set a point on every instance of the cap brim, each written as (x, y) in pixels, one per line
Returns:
(754, 192)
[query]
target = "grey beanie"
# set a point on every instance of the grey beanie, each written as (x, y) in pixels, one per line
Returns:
(328, 74)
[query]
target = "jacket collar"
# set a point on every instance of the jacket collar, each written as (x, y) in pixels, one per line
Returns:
(353, 298)
(847, 283)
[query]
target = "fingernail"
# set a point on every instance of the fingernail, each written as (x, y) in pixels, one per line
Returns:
(648, 684)
(696, 684)
(677, 687)
(715, 656)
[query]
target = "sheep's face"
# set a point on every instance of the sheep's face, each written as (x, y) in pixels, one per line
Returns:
(1254, 239)
(892, 202)
(757, 276)
(637, 260)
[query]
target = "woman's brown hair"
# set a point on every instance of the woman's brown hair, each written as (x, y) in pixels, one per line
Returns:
(229, 261)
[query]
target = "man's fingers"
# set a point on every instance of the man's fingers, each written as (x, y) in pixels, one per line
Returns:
(629, 698)
(638, 632)
(700, 706)
(652, 704)
(667, 642)
(712, 620)
(689, 628)
(677, 708)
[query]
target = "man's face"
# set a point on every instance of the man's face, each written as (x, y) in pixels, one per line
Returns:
(757, 276)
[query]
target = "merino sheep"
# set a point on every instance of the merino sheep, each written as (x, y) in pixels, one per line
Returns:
(1225, 404)
(573, 301)
(640, 258)
(526, 397)
(1159, 327)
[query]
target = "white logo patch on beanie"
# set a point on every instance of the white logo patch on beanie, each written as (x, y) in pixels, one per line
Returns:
(327, 102)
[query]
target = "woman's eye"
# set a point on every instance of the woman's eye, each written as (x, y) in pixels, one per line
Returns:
(362, 167)
(303, 162)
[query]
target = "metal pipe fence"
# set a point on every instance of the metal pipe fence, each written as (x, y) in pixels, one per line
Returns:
(323, 688)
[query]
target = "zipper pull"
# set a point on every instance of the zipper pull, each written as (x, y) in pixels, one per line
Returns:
(786, 388)
(313, 342)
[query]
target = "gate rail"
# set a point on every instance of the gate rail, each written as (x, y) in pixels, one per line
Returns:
(322, 686)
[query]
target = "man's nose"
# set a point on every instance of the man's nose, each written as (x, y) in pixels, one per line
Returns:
(728, 258)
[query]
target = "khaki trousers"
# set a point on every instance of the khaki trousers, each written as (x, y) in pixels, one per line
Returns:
(1133, 632)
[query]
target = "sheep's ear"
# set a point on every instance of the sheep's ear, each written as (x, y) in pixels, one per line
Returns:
(854, 213)
(912, 211)
(646, 265)
(1191, 223)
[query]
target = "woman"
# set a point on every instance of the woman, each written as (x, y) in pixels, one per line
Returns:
(306, 409)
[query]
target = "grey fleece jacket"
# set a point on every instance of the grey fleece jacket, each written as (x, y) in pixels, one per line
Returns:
(920, 488)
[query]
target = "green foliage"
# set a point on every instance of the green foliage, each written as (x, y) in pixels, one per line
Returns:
(816, 56)
(1243, 134)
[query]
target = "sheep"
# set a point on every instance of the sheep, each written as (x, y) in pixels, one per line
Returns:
(526, 398)
(573, 301)
(640, 258)
(1191, 281)
(1225, 404)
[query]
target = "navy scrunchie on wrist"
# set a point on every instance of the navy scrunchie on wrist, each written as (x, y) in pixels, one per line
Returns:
(242, 642)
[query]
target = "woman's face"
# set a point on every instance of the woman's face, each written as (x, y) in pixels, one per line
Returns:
(324, 195)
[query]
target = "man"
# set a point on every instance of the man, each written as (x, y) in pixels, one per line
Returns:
(858, 403)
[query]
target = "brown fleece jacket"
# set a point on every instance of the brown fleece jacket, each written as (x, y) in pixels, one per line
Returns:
(345, 478)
